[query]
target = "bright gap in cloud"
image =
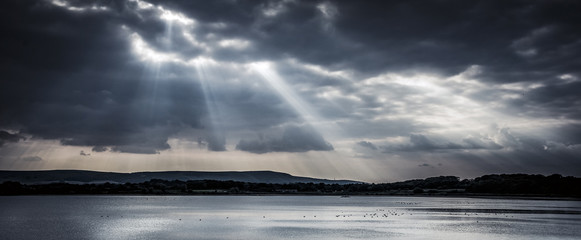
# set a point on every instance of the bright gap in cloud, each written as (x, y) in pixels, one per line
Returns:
(148, 54)
(171, 16)
(67, 5)
(238, 44)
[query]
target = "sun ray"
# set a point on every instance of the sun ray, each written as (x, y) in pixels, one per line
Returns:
(268, 73)
(203, 68)
(335, 160)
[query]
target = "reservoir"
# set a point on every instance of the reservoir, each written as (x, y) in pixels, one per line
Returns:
(286, 217)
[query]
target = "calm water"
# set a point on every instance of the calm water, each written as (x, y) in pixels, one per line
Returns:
(285, 217)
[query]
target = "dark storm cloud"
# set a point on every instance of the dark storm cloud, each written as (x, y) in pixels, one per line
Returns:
(6, 137)
(99, 149)
(570, 133)
(535, 159)
(293, 29)
(513, 39)
(71, 76)
(216, 142)
(451, 35)
(294, 139)
(553, 99)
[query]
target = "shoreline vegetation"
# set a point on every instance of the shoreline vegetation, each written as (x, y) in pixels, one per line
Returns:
(496, 185)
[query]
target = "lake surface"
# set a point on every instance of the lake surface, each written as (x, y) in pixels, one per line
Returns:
(285, 217)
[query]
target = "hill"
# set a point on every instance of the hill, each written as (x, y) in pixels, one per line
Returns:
(82, 177)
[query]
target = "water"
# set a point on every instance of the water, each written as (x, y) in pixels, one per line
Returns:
(285, 217)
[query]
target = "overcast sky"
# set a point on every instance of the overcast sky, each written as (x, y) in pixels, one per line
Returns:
(366, 90)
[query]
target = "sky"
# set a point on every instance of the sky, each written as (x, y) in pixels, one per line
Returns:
(376, 91)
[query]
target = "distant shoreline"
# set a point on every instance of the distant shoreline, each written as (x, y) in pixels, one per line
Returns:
(178, 188)
(500, 197)
(274, 183)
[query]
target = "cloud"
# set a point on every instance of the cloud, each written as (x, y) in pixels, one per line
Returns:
(105, 108)
(100, 149)
(294, 139)
(32, 159)
(6, 137)
(367, 145)
(480, 142)
(420, 142)
(134, 149)
(216, 142)
(132, 76)
(499, 138)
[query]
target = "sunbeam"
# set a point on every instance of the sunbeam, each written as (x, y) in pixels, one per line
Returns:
(283, 89)
(216, 138)
(287, 85)
(328, 128)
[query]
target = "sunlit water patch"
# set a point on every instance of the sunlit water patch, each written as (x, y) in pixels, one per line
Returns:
(285, 217)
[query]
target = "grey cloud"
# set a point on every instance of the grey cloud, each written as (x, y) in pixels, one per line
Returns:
(505, 152)
(32, 159)
(139, 149)
(421, 142)
(6, 137)
(294, 139)
(367, 145)
(570, 133)
(72, 76)
(216, 142)
(375, 39)
(471, 32)
(553, 99)
(371, 33)
(365, 128)
(63, 80)
(480, 143)
(538, 159)
(100, 149)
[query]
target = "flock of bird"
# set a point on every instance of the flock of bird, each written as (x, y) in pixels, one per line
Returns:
(380, 213)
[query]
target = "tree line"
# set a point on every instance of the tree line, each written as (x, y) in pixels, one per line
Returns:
(505, 184)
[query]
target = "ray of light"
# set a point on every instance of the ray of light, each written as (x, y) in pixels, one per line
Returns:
(203, 68)
(284, 90)
(266, 70)
(328, 129)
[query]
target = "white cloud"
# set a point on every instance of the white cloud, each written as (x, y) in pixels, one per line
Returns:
(238, 44)
(66, 5)
(275, 8)
(146, 53)
(172, 16)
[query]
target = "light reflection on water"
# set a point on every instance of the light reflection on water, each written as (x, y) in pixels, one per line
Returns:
(285, 217)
